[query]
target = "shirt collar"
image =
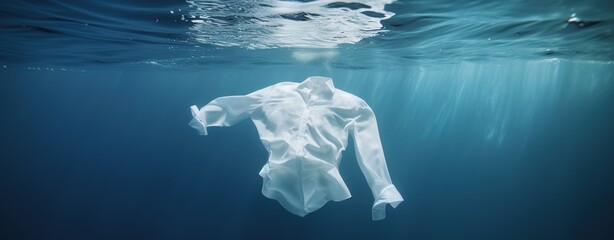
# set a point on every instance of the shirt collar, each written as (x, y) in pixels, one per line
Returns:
(320, 86)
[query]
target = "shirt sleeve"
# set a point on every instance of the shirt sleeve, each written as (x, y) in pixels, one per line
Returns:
(372, 162)
(227, 111)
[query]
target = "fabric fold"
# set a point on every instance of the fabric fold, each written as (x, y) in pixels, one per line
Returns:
(389, 195)
(198, 121)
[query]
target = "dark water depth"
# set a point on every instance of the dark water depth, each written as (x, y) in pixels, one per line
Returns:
(495, 116)
(518, 151)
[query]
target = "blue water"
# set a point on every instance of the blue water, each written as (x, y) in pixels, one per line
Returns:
(495, 117)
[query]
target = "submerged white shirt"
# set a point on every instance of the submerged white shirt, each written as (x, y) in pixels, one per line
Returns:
(305, 127)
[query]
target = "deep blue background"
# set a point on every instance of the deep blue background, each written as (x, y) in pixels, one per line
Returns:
(495, 117)
(107, 154)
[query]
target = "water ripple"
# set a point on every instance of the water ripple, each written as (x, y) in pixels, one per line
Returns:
(286, 24)
(362, 34)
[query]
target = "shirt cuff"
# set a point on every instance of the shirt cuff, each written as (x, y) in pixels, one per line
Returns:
(198, 121)
(389, 195)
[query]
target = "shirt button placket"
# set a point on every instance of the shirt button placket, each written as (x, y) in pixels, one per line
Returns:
(302, 138)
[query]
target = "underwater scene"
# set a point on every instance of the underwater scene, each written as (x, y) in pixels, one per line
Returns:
(475, 119)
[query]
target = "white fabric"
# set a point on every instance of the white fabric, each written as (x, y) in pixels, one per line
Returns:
(305, 127)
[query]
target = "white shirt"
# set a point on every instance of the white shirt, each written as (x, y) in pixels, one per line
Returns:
(305, 127)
